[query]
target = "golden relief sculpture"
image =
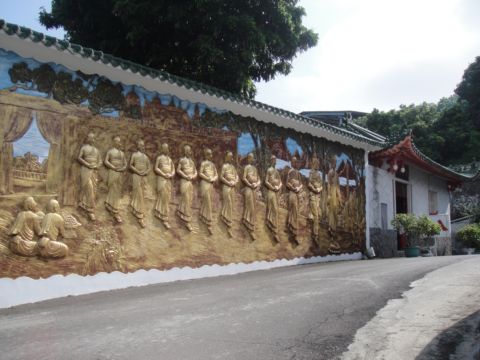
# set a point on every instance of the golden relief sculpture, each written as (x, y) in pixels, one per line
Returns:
(165, 170)
(116, 163)
(32, 222)
(334, 196)
(273, 183)
(90, 160)
(140, 167)
(294, 186)
(336, 209)
(315, 187)
(27, 224)
(229, 179)
(187, 171)
(208, 175)
(53, 226)
(252, 182)
(349, 211)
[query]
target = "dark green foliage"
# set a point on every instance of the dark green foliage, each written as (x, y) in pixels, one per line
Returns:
(470, 236)
(443, 131)
(20, 73)
(226, 44)
(106, 97)
(44, 77)
(469, 90)
(66, 90)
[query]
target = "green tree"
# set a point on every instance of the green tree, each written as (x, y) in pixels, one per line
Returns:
(227, 44)
(445, 131)
(469, 90)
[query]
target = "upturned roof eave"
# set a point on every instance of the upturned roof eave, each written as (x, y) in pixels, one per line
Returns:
(407, 149)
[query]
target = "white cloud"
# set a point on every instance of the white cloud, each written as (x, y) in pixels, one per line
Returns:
(369, 41)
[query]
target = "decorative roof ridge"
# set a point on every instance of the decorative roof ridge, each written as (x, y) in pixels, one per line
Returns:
(95, 55)
(434, 163)
(368, 131)
(408, 141)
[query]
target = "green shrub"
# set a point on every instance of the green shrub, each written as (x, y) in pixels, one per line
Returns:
(416, 229)
(426, 227)
(470, 236)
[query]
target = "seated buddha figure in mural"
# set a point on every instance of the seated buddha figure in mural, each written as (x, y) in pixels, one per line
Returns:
(188, 173)
(252, 181)
(229, 179)
(315, 187)
(89, 159)
(27, 224)
(273, 183)
(53, 226)
(294, 186)
(165, 170)
(208, 175)
(140, 167)
(116, 164)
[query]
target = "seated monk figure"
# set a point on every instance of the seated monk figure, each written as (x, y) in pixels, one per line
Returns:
(53, 225)
(26, 225)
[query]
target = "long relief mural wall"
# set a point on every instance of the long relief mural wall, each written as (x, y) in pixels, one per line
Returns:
(99, 176)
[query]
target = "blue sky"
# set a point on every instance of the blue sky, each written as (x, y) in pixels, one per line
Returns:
(370, 54)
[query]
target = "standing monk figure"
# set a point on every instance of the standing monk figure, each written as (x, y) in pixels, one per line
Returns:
(116, 163)
(294, 186)
(26, 226)
(229, 178)
(165, 170)
(334, 196)
(53, 226)
(208, 175)
(140, 167)
(315, 187)
(89, 159)
(187, 171)
(273, 183)
(252, 182)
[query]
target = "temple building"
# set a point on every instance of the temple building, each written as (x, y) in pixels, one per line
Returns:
(401, 179)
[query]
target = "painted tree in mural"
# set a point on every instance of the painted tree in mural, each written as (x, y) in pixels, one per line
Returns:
(102, 95)
(226, 44)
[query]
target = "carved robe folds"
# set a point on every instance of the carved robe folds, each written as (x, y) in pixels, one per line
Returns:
(26, 225)
(52, 227)
(229, 174)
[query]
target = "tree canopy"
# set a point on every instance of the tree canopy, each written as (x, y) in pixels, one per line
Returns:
(226, 44)
(442, 131)
(448, 131)
(469, 90)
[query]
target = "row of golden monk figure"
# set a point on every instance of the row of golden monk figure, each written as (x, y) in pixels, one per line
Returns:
(140, 166)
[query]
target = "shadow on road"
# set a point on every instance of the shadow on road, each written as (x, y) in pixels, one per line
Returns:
(460, 341)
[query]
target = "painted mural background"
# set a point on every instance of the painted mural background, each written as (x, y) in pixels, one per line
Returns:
(46, 115)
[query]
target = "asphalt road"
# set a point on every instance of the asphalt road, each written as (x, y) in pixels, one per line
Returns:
(302, 312)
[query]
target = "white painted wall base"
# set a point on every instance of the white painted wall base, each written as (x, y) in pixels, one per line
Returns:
(25, 290)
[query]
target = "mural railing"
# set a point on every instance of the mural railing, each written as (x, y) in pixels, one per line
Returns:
(29, 175)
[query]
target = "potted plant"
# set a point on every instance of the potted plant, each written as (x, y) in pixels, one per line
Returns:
(470, 237)
(426, 229)
(406, 224)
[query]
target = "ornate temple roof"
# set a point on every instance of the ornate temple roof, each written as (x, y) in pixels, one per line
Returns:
(405, 151)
